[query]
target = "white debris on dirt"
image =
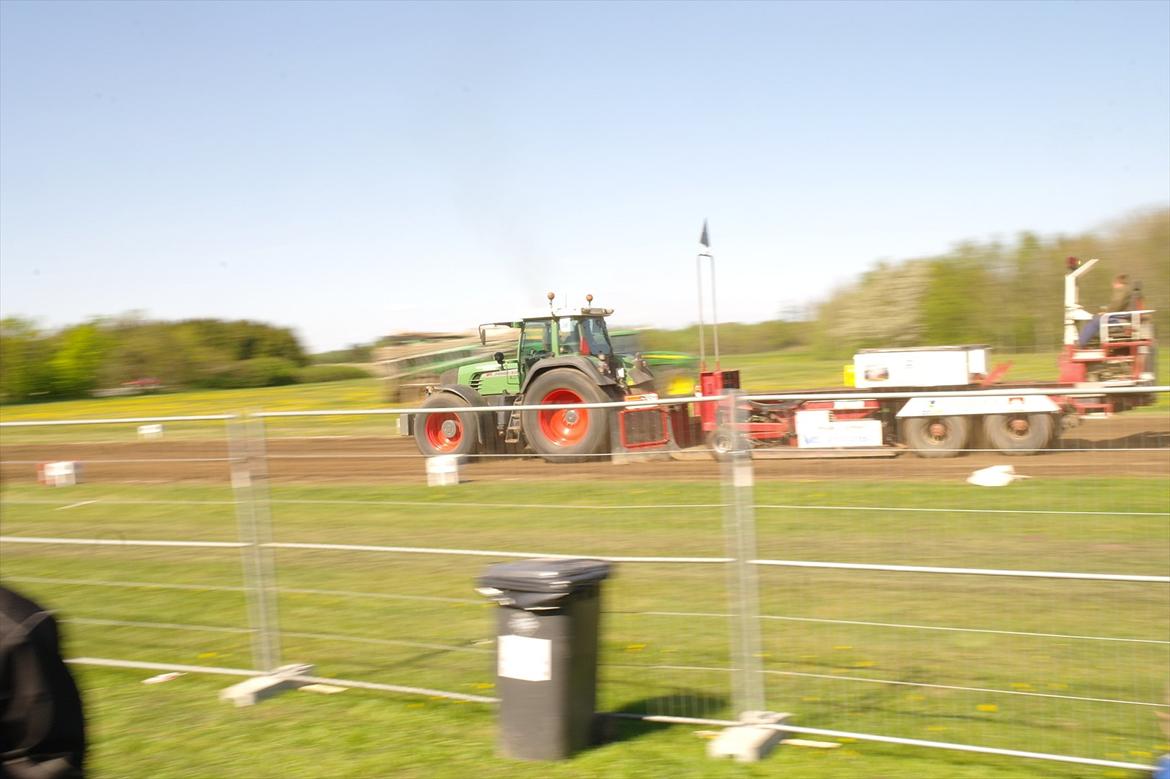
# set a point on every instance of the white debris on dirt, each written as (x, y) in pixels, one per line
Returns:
(995, 476)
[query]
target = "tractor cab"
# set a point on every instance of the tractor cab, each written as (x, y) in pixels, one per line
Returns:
(557, 335)
(582, 333)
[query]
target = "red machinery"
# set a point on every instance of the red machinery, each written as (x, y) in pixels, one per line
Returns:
(931, 425)
(1125, 352)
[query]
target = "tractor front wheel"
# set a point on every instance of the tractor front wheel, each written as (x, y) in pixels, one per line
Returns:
(936, 436)
(565, 434)
(445, 432)
(1019, 433)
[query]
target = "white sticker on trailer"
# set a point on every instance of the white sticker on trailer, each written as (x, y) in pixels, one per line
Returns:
(816, 429)
(521, 657)
(978, 405)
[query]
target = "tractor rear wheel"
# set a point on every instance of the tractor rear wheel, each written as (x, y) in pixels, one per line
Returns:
(1019, 434)
(936, 436)
(445, 432)
(565, 434)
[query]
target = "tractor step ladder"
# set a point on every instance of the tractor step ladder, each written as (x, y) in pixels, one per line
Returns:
(512, 433)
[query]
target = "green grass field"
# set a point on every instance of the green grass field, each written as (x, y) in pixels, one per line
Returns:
(832, 639)
(188, 733)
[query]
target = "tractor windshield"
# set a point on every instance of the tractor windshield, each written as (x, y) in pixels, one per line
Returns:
(583, 335)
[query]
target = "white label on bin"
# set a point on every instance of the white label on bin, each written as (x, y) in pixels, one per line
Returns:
(521, 657)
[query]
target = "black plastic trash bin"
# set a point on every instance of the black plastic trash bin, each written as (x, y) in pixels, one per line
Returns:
(546, 653)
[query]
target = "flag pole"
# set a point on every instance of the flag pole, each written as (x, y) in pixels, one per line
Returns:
(714, 312)
(705, 251)
(699, 278)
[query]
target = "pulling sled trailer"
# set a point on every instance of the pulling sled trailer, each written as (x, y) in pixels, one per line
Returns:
(949, 416)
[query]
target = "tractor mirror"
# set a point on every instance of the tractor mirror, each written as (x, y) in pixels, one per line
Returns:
(482, 336)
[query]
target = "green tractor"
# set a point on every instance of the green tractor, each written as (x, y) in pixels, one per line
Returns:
(563, 357)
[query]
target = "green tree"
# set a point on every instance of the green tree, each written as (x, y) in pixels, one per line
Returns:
(879, 310)
(24, 361)
(960, 302)
(77, 360)
(1009, 296)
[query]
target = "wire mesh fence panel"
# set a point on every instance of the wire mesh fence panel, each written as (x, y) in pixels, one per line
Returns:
(385, 618)
(375, 562)
(662, 654)
(903, 598)
(134, 542)
(1055, 666)
(184, 606)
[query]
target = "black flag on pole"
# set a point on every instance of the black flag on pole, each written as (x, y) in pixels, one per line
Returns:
(703, 240)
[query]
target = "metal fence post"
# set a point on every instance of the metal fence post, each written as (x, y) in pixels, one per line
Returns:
(249, 483)
(742, 586)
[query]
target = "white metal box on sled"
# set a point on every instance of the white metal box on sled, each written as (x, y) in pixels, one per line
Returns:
(816, 429)
(928, 366)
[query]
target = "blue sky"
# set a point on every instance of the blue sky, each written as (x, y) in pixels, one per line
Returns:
(350, 170)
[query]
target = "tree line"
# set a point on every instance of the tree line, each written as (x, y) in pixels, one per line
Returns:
(1007, 294)
(111, 353)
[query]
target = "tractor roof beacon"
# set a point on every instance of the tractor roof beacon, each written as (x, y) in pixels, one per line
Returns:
(563, 356)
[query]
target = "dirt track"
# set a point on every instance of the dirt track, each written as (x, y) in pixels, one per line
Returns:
(1137, 445)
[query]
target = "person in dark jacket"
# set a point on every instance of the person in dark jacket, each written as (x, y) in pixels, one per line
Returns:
(1119, 300)
(42, 724)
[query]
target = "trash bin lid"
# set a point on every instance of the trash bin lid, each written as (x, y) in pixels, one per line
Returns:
(545, 574)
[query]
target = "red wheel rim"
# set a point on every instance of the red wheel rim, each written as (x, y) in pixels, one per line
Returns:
(564, 426)
(441, 436)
